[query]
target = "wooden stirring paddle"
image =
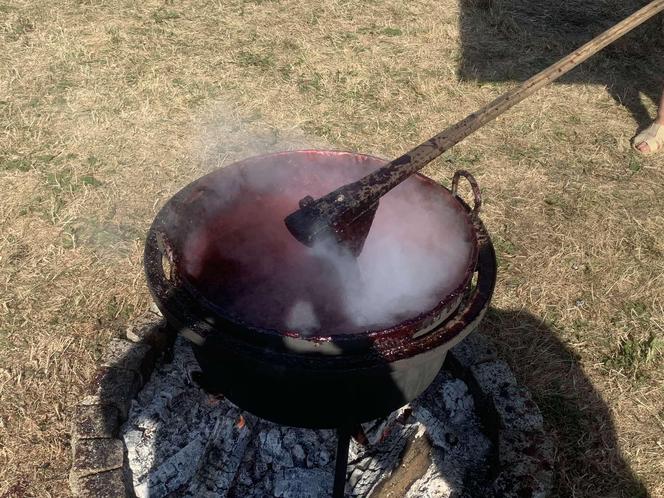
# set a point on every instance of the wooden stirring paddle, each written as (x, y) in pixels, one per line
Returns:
(347, 213)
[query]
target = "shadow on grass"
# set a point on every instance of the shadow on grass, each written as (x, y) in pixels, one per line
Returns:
(588, 461)
(511, 40)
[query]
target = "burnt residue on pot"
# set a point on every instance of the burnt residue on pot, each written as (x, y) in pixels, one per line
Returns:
(301, 377)
(237, 254)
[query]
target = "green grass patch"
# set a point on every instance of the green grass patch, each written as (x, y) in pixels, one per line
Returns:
(374, 29)
(461, 161)
(254, 59)
(91, 181)
(558, 203)
(504, 247)
(637, 309)
(162, 15)
(579, 326)
(17, 164)
(15, 29)
(62, 181)
(391, 32)
(69, 238)
(635, 163)
(114, 34)
(117, 309)
(312, 84)
(634, 357)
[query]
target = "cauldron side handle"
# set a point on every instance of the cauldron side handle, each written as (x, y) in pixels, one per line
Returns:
(477, 194)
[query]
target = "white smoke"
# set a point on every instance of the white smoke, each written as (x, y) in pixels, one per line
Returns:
(402, 270)
(302, 317)
(415, 254)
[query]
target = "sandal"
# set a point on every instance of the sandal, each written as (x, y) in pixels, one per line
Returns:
(653, 137)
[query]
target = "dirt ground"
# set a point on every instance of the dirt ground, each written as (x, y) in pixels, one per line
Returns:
(109, 107)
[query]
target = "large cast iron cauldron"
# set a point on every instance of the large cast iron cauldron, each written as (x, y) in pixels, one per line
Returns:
(337, 373)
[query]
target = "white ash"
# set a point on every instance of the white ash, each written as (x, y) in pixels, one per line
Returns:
(182, 442)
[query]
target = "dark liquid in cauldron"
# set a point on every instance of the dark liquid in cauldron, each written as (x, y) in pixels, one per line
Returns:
(239, 255)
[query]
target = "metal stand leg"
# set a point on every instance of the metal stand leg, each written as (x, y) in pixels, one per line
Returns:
(343, 441)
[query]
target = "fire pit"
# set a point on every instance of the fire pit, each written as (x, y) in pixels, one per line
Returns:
(298, 335)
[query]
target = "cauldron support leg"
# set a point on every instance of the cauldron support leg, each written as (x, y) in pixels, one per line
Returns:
(343, 441)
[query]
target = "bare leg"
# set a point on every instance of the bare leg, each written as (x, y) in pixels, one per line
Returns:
(660, 110)
(643, 147)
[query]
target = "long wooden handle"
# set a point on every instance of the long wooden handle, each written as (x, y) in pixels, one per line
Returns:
(353, 205)
(399, 169)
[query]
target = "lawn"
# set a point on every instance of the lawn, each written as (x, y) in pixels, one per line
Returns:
(109, 107)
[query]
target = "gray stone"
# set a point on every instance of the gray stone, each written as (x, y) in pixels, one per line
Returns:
(492, 376)
(525, 456)
(137, 357)
(514, 444)
(109, 484)
(249, 454)
(510, 485)
(114, 386)
(517, 410)
(309, 440)
(92, 456)
(95, 421)
(473, 350)
(326, 435)
(302, 483)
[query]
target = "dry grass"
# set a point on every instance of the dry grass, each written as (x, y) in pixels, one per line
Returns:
(107, 108)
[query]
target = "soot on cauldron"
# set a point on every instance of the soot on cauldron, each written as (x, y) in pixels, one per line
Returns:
(238, 255)
(296, 334)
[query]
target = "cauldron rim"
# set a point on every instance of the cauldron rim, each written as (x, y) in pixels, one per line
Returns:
(419, 325)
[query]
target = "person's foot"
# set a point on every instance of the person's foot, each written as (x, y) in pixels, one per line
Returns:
(651, 139)
(643, 148)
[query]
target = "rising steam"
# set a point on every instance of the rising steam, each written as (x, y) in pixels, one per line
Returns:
(237, 251)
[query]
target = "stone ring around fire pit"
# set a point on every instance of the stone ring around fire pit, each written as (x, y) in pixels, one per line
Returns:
(476, 420)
